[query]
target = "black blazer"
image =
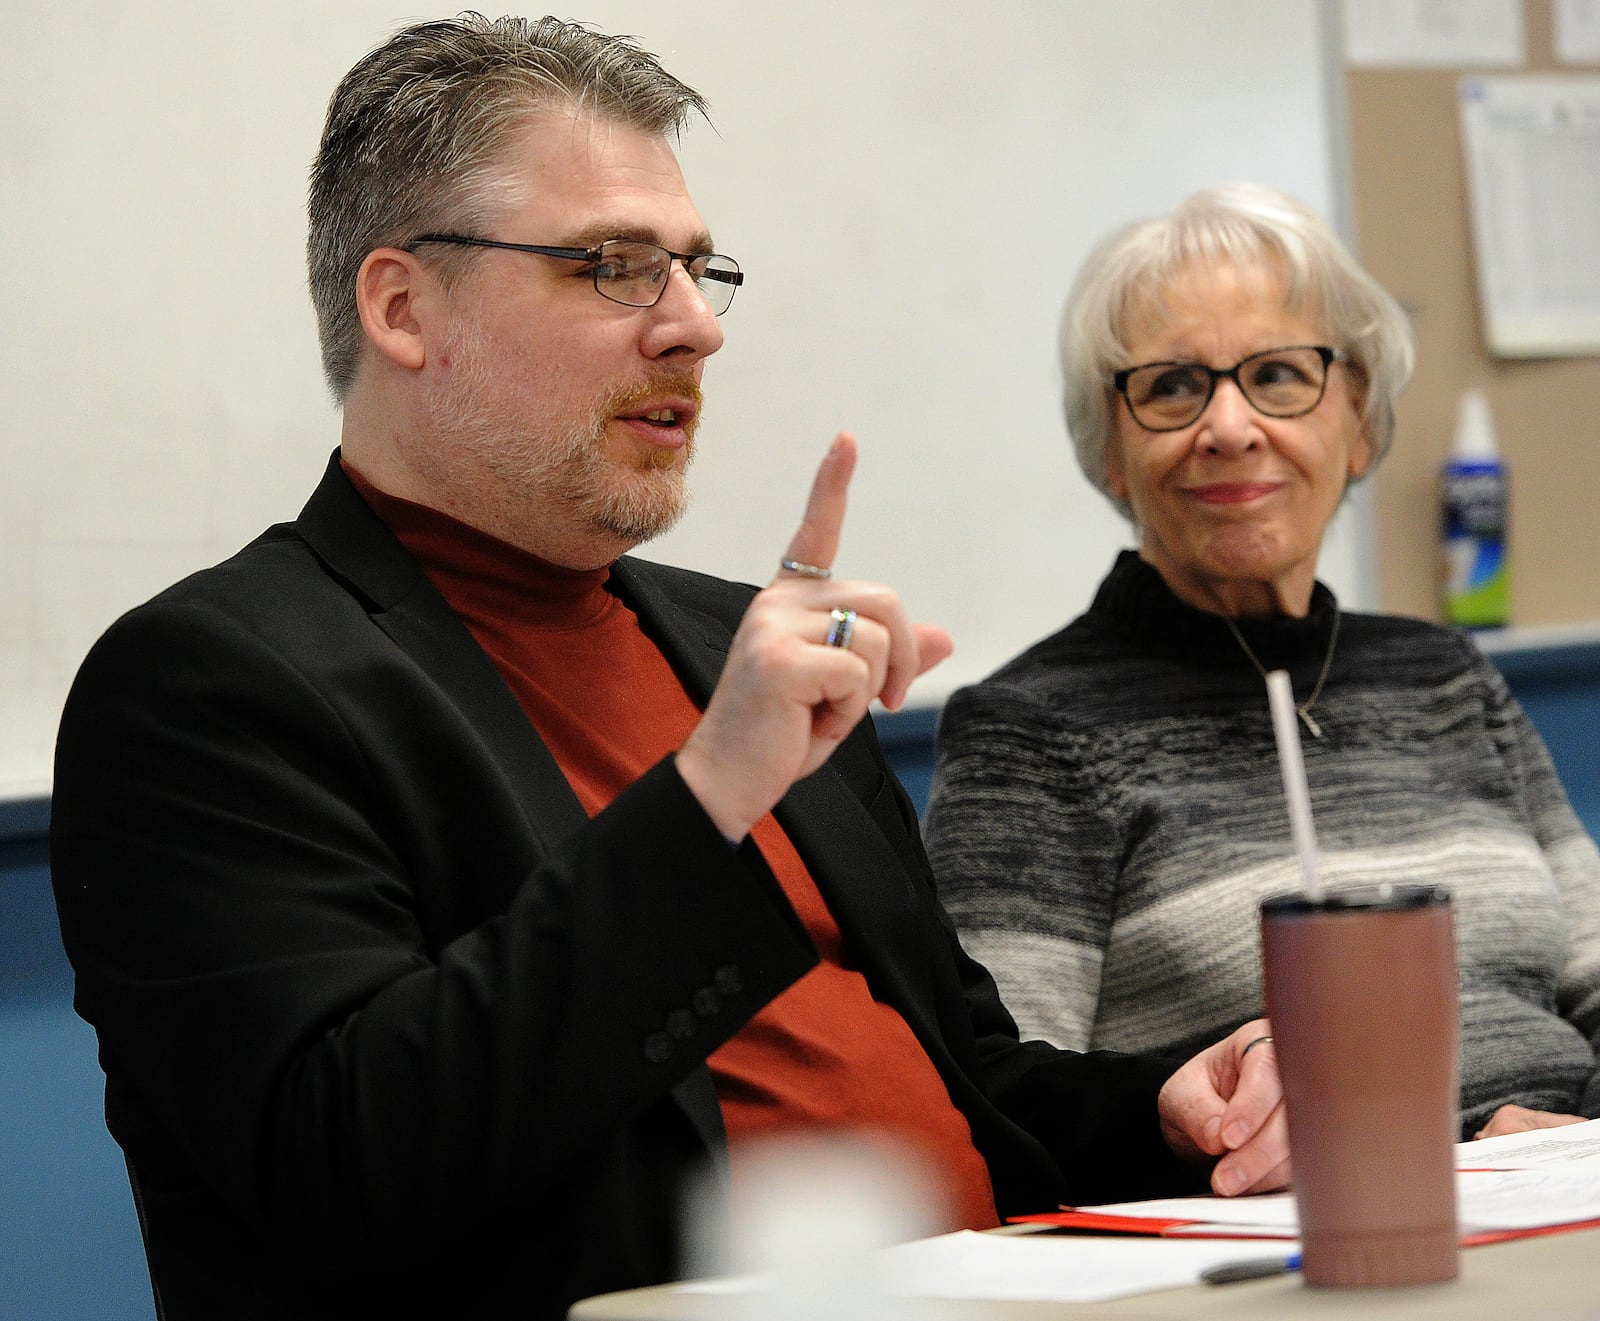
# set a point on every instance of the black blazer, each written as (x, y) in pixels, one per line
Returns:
(390, 1026)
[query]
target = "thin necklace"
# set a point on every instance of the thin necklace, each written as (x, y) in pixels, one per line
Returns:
(1302, 709)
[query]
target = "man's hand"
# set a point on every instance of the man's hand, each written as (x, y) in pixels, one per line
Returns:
(1227, 1101)
(786, 698)
(1520, 1119)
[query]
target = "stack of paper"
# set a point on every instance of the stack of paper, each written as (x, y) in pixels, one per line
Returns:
(1520, 1184)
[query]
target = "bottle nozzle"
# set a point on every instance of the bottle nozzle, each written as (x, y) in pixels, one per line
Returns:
(1475, 437)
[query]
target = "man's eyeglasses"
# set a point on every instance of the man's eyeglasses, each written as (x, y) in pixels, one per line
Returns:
(1168, 396)
(629, 271)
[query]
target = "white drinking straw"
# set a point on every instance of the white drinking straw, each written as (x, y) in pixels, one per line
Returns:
(1280, 697)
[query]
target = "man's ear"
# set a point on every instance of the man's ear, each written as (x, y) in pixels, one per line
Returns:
(388, 288)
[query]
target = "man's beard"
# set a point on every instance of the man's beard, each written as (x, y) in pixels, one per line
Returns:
(631, 500)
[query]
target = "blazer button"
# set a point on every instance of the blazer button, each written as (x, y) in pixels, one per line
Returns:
(658, 1048)
(681, 1024)
(706, 1002)
(727, 980)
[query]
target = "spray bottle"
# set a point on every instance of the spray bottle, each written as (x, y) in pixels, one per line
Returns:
(1474, 494)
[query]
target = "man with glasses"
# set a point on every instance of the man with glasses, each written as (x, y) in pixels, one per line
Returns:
(447, 886)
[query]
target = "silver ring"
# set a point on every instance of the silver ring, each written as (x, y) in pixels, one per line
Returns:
(805, 570)
(1258, 1041)
(841, 629)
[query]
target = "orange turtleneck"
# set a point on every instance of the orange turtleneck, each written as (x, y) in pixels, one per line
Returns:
(824, 1054)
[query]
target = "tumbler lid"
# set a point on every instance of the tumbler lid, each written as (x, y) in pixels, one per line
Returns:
(1353, 897)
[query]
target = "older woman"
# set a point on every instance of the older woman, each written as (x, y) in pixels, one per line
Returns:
(1107, 810)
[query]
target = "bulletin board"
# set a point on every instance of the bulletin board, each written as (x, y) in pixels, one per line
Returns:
(1413, 229)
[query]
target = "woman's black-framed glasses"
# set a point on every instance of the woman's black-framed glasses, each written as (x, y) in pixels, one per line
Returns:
(629, 271)
(1286, 382)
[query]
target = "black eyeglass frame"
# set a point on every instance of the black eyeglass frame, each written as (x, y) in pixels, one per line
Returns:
(1328, 354)
(594, 255)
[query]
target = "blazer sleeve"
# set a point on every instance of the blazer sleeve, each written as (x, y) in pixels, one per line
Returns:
(290, 1010)
(1089, 1120)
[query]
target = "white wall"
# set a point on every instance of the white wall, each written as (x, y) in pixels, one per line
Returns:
(910, 186)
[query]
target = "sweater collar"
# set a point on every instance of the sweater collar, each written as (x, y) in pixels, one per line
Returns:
(1136, 600)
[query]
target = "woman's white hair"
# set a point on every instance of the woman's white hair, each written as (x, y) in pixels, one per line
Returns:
(1247, 227)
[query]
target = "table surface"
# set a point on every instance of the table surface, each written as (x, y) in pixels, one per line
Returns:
(1550, 1277)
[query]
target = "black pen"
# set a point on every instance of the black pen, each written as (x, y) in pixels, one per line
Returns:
(1255, 1268)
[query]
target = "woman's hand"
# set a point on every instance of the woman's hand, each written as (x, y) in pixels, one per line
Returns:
(1520, 1119)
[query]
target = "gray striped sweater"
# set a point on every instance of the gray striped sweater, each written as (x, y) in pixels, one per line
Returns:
(1107, 812)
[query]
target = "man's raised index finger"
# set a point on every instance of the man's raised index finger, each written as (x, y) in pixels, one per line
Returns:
(816, 541)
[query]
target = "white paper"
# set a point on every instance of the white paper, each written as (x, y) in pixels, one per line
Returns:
(1532, 149)
(1522, 1181)
(1390, 34)
(1057, 1267)
(1271, 1213)
(1541, 1146)
(1577, 31)
(1039, 1267)
(1494, 1200)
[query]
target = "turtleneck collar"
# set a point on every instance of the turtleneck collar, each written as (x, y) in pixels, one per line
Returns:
(484, 577)
(1135, 599)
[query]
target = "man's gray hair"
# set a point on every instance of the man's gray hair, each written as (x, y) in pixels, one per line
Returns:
(1248, 227)
(416, 133)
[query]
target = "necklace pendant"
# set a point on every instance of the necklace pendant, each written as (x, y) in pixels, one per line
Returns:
(1301, 709)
